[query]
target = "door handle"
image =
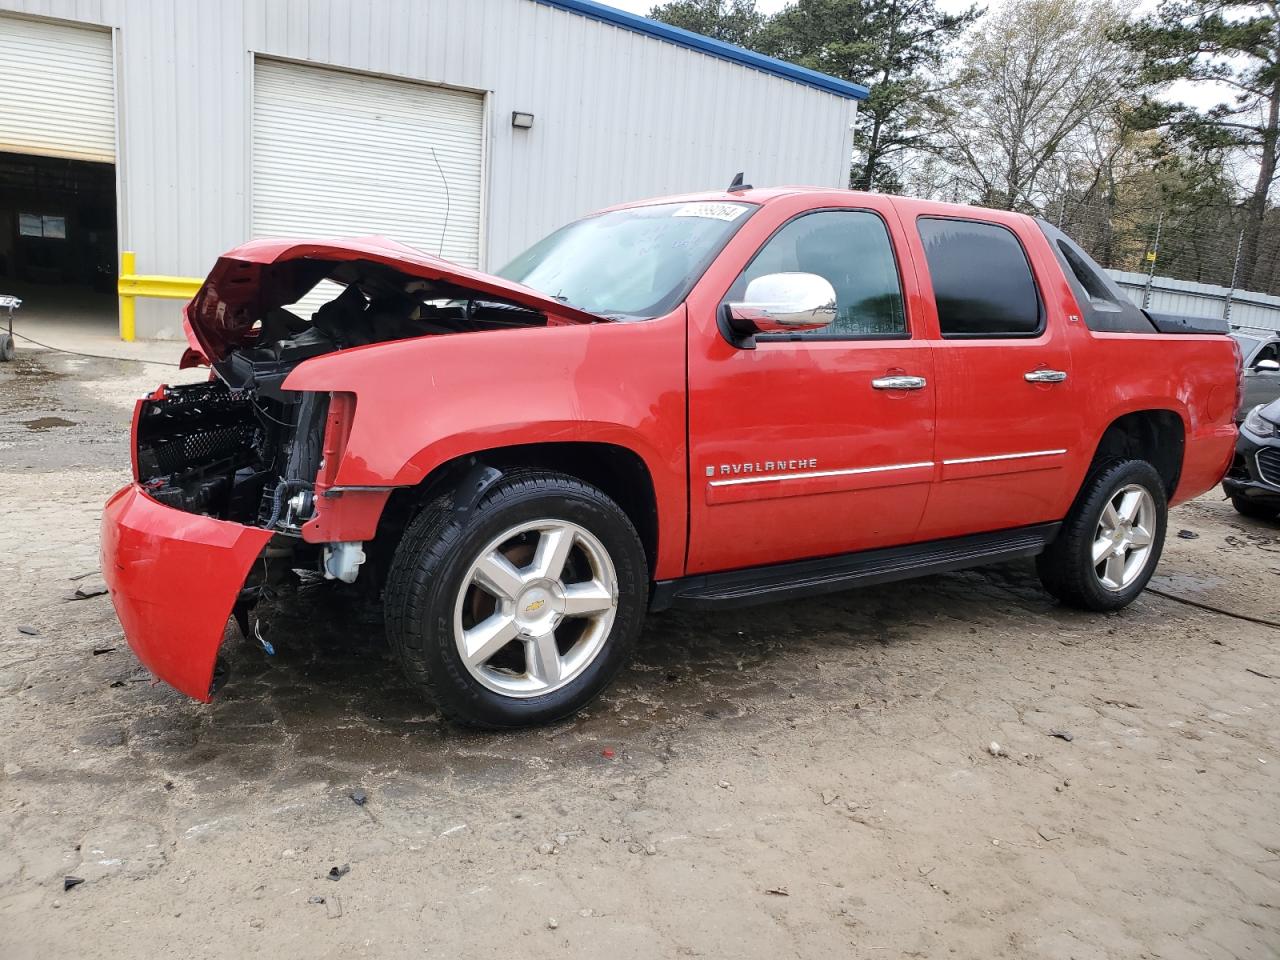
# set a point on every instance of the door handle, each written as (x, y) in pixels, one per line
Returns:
(1045, 376)
(898, 383)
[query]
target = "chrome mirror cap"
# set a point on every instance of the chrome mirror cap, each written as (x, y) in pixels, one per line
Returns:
(784, 303)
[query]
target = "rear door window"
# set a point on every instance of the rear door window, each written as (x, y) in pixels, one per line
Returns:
(982, 281)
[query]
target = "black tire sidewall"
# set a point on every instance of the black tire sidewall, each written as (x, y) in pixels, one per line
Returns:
(1253, 510)
(442, 565)
(1084, 525)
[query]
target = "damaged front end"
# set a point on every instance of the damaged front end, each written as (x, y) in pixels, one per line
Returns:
(238, 469)
(237, 454)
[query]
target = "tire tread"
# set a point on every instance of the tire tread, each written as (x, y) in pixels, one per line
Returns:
(433, 537)
(1062, 568)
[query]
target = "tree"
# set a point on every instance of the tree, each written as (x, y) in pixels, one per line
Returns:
(1235, 44)
(733, 21)
(1145, 180)
(893, 46)
(1041, 79)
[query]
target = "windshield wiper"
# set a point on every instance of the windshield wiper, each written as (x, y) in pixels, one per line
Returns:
(561, 298)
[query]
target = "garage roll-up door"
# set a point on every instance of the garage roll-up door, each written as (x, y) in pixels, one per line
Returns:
(341, 154)
(57, 90)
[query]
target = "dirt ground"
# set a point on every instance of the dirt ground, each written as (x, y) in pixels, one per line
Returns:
(803, 780)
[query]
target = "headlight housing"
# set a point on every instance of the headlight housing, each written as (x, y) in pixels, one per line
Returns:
(1259, 425)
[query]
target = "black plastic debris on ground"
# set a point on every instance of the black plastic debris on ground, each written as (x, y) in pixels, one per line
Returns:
(87, 591)
(337, 873)
(358, 797)
(1188, 535)
(69, 882)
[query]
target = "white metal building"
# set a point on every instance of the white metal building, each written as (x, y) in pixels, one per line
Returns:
(221, 120)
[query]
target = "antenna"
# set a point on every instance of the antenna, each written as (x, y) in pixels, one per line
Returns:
(445, 227)
(738, 185)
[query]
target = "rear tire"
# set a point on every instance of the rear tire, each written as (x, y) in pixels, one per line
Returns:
(521, 610)
(7, 349)
(1111, 540)
(1254, 510)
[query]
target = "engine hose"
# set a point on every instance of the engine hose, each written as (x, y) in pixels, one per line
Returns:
(277, 501)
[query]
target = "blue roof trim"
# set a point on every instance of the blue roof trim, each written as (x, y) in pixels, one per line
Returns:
(713, 48)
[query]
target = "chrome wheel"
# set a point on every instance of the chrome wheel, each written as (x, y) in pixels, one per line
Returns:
(535, 608)
(1122, 544)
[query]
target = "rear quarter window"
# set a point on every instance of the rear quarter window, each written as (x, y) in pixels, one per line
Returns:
(982, 281)
(1104, 305)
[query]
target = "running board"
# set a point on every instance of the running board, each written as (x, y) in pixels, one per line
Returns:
(806, 578)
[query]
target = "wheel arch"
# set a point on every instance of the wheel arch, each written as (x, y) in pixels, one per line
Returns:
(1156, 435)
(618, 471)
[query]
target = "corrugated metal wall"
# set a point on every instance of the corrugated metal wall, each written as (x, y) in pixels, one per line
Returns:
(57, 83)
(619, 116)
(1257, 310)
(337, 152)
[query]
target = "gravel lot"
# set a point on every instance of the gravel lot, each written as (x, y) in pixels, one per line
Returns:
(803, 780)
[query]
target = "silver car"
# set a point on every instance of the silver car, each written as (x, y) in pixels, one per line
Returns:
(1261, 352)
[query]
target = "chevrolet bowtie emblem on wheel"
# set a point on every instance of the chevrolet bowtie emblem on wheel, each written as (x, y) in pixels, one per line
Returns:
(535, 606)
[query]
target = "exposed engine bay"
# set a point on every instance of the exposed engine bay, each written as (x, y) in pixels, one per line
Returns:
(241, 448)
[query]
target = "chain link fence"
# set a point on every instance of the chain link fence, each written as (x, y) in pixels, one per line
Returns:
(1199, 260)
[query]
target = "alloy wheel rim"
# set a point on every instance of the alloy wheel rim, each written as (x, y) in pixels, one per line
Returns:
(1123, 542)
(535, 608)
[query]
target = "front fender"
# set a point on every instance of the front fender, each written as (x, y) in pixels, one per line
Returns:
(421, 403)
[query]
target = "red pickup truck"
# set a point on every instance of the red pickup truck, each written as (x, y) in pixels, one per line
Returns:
(699, 401)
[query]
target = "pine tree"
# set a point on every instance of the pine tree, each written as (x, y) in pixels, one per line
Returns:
(1235, 45)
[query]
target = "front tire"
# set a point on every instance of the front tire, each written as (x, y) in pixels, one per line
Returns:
(520, 611)
(1253, 509)
(1111, 540)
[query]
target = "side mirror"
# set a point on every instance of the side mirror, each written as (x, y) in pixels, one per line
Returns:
(1267, 366)
(783, 303)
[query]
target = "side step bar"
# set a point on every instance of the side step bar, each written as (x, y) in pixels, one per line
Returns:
(806, 578)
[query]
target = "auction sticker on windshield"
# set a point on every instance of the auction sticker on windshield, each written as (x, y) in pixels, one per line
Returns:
(711, 211)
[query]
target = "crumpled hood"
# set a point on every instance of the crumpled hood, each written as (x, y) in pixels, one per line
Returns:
(261, 275)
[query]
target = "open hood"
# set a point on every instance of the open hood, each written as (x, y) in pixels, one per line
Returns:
(248, 282)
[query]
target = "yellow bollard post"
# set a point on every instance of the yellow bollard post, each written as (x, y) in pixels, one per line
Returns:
(128, 318)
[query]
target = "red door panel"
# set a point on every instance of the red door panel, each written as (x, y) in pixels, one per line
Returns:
(793, 452)
(1003, 443)
(1009, 442)
(868, 453)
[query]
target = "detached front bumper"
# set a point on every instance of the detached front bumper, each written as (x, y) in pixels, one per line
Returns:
(174, 578)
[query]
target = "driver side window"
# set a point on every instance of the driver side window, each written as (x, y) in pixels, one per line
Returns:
(852, 251)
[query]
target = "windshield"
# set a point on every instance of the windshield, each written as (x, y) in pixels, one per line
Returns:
(638, 262)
